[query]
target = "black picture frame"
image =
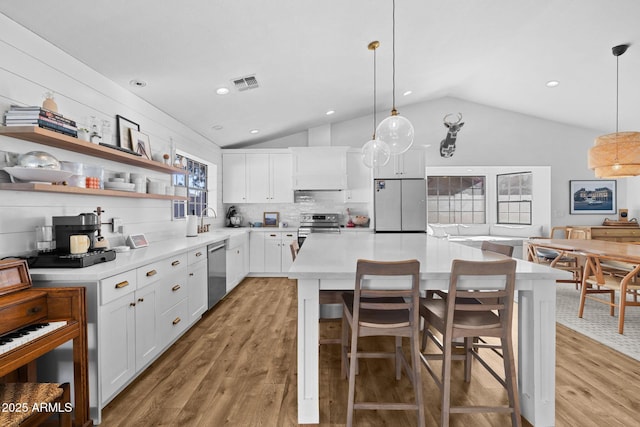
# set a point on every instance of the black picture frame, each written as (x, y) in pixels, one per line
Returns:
(593, 197)
(124, 136)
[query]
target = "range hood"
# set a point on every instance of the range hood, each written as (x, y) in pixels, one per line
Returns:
(319, 168)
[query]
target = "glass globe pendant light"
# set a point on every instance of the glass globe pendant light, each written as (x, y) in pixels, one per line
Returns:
(395, 130)
(375, 152)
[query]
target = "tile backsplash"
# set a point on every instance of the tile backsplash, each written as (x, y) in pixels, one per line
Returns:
(304, 201)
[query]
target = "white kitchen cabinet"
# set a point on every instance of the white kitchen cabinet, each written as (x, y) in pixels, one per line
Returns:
(286, 259)
(234, 189)
(146, 326)
(197, 283)
(273, 252)
(359, 179)
(256, 250)
(117, 345)
(268, 178)
(319, 168)
(270, 251)
(237, 253)
(257, 176)
(407, 165)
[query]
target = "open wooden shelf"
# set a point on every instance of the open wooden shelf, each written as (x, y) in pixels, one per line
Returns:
(58, 140)
(86, 191)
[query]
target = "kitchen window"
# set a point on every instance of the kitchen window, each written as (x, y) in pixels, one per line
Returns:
(199, 179)
(456, 199)
(514, 197)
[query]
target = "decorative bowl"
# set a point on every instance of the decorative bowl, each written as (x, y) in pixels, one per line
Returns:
(360, 220)
(37, 174)
(39, 160)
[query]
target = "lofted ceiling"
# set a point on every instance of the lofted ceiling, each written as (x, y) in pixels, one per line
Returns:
(311, 56)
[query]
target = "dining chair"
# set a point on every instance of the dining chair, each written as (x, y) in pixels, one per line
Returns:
(605, 275)
(387, 306)
(497, 248)
(562, 260)
(458, 317)
(325, 297)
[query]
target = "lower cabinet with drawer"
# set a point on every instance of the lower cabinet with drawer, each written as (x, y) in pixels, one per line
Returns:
(133, 317)
(270, 252)
(141, 312)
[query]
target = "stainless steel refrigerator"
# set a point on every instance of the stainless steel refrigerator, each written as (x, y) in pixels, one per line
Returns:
(400, 205)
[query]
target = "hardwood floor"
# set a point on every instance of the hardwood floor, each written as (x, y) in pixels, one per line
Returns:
(237, 367)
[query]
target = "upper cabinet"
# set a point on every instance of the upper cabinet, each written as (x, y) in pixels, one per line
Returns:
(359, 179)
(234, 181)
(256, 176)
(319, 168)
(407, 165)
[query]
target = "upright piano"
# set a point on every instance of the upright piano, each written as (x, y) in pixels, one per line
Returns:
(34, 322)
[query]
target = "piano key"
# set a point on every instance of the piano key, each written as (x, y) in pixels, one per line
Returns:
(8, 343)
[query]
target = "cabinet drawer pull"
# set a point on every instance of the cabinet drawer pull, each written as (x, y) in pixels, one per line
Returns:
(175, 288)
(122, 284)
(151, 273)
(174, 263)
(272, 235)
(176, 320)
(140, 299)
(132, 304)
(198, 253)
(190, 274)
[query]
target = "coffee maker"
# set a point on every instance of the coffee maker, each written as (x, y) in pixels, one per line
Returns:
(85, 224)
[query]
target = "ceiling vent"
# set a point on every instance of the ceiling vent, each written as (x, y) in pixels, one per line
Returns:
(245, 83)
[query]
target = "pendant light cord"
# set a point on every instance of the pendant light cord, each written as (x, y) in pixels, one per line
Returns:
(374, 93)
(617, 90)
(616, 161)
(393, 52)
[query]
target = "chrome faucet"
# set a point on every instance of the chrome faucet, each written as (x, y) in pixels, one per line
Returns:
(202, 229)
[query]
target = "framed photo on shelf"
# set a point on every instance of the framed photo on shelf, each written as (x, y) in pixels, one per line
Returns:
(592, 197)
(270, 219)
(124, 136)
(140, 143)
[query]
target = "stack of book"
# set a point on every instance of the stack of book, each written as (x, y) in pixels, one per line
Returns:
(37, 116)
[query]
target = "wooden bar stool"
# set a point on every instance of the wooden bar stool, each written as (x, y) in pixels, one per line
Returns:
(389, 309)
(459, 316)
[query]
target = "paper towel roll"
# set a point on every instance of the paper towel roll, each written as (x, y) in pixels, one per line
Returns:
(192, 225)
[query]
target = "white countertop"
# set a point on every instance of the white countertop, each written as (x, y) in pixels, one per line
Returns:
(134, 258)
(335, 256)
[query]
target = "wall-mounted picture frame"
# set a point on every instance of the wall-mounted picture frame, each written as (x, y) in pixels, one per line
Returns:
(140, 143)
(596, 196)
(270, 219)
(124, 136)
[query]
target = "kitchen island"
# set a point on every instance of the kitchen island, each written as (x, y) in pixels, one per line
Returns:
(329, 262)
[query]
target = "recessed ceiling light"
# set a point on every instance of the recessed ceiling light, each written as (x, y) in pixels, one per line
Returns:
(222, 91)
(138, 83)
(217, 127)
(552, 83)
(254, 131)
(407, 93)
(330, 112)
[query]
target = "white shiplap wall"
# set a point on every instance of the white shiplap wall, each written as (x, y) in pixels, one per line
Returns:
(31, 66)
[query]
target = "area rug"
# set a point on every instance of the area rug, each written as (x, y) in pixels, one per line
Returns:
(596, 322)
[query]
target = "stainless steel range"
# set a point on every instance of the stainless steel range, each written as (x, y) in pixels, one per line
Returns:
(317, 223)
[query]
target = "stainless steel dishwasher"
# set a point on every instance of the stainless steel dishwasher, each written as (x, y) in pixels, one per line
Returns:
(217, 280)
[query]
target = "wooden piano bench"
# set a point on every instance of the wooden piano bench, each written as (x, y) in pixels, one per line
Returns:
(31, 404)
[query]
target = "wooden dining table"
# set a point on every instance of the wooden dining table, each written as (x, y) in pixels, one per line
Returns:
(624, 252)
(328, 262)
